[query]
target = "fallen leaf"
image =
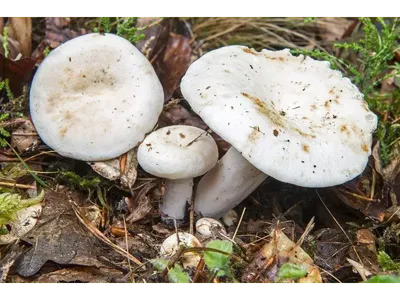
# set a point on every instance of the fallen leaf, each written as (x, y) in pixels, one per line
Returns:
(174, 64)
(155, 40)
(24, 137)
(20, 29)
(57, 31)
(18, 72)
(279, 251)
(58, 237)
(141, 205)
(123, 168)
(25, 220)
(364, 273)
(81, 274)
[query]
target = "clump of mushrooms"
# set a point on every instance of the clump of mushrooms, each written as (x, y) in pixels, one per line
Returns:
(292, 118)
(95, 97)
(178, 153)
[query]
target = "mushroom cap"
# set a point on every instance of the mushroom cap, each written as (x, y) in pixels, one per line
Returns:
(95, 97)
(294, 118)
(178, 152)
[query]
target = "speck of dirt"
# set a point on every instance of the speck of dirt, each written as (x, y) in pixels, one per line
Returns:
(306, 148)
(182, 135)
(168, 132)
(364, 147)
(275, 132)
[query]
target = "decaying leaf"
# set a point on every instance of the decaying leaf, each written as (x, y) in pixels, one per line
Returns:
(57, 31)
(20, 29)
(18, 72)
(174, 64)
(59, 237)
(280, 250)
(141, 204)
(155, 40)
(24, 137)
(81, 274)
(123, 168)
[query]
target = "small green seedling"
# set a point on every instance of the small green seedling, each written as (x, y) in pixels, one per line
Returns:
(175, 275)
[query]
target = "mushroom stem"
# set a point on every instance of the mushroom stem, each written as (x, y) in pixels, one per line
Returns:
(226, 185)
(178, 193)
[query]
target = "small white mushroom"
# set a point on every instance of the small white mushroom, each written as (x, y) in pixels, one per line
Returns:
(172, 244)
(208, 227)
(230, 218)
(95, 97)
(177, 153)
(293, 118)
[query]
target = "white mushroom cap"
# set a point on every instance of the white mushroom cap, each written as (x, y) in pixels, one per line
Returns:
(172, 244)
(178, 152)
(209, 226)
(95, 97)
(293, 118)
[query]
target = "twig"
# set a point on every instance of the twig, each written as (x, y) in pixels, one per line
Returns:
(238, 225)
(101, 236)
(17, 185)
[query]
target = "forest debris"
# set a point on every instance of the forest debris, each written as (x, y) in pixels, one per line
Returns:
(174, 64)
(141, 205)
(279, 251)
(57, 31)
(17, 72)
(20, 29)
(24, 137)
(58, 237)
(123, 168)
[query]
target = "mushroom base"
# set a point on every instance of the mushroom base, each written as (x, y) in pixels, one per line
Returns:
(226, 185)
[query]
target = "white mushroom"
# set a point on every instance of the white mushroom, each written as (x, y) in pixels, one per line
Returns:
(230, 218)
(208, 227)
(95, 97)
(172, 244)
(293, 118)
(177, 153)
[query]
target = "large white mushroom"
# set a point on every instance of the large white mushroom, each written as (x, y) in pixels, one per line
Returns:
(293, 118)
(178, 153)
(95, 97)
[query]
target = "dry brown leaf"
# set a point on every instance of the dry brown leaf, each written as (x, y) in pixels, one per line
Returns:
(280, 250)
(155, 40)
(1, 24)
(20, 29)
(18, 72)
(334, 29)
(57, 31)
(24, 137)
(174, 64)
(81, 274)
(142, 204)
(123, 168)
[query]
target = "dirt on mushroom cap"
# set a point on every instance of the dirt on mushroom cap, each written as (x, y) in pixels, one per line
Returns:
(294, 118)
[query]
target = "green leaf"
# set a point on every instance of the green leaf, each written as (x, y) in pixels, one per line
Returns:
(292, 271)
(387, 263)
(383, 279)
(218, 261)
(175, 274)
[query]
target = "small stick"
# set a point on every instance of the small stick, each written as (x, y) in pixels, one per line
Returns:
(18, 185)
(238, 225)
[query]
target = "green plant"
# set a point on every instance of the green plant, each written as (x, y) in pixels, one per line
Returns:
(5, 41)
(291, 271)
(124, 27)
(3, 133)
(386, 263)
(216, 262)
(79, 182)
(383, 279)
(11, 203)
(175, 274)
